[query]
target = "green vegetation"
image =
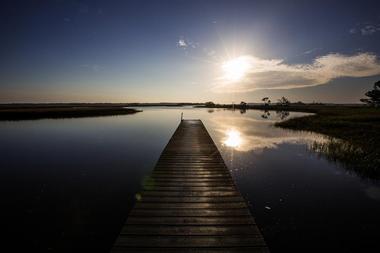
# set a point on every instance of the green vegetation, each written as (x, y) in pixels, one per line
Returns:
(357, 130)
(40, 111)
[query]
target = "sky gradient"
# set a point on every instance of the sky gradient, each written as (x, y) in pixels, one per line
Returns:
(177, 51)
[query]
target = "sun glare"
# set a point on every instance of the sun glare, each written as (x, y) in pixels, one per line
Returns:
(235, 69)
(233, 139)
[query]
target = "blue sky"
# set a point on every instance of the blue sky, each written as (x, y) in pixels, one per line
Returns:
(151, 51)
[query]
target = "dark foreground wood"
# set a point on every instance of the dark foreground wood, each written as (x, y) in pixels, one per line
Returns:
(190, 202)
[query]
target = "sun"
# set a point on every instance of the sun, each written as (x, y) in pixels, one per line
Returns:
(236, 68)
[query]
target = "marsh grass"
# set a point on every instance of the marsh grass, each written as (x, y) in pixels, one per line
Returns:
(357, 130)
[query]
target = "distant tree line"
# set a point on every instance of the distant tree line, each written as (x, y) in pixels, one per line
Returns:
(373, 99)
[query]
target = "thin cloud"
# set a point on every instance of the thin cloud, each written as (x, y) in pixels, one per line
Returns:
(186, 43)
(275, 74)
(370, 29)
(182, 43)
(353, 30)
(365, 29)
(312, 50)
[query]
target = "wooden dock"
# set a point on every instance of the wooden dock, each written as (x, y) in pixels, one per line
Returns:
(190, 202)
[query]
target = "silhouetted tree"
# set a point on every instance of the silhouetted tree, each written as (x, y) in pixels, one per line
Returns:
(243, 104)
(266, 101)
(284, 101)
(243, 107)
(373, 95)
(209, 104)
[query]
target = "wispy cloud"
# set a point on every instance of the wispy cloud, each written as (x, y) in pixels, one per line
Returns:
(365, 29)
(182, 43)
(276, 74)
(186, 43)
(353, 30)
(312, 50)
(196, 50)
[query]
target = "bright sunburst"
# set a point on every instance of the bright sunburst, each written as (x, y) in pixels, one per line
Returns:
(233, 139)
(235, 69)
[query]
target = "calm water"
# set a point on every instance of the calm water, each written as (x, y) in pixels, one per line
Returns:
(68, 184)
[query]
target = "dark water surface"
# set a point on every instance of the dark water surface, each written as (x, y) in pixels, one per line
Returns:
(68, 184)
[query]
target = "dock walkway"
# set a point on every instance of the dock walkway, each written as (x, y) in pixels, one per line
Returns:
(190, 202)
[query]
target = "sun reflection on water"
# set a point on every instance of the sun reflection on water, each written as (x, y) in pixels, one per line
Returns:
(233, 139)
(255, 134)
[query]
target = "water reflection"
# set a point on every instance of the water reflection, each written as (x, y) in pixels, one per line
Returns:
(353, 158)
(233, 139)
(250, 134)
(79, 182)
(282, 114)
(265, 115)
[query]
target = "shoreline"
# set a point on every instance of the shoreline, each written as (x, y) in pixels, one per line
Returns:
(357, 131)
(59, 112)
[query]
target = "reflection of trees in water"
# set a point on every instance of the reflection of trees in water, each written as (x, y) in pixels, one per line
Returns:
(210, 110)
(282, 114)
(265, 115)
(243, 110)
(353, 158)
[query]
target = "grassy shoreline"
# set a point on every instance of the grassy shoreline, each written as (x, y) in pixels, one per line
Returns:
(13, 113)
(356, 124)
(358, 131)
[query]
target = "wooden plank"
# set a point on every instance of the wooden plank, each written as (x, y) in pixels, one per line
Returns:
(190, 241)
(257, 249)
(189, 193)
(190, 230)
(215, 205)
(188, 188)
(189, 184)
(186, 199)
(191, 170)
(229, 220)
(190, 202)
(186, 173)
(190, 179)
(189, 212)
(173, 176)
